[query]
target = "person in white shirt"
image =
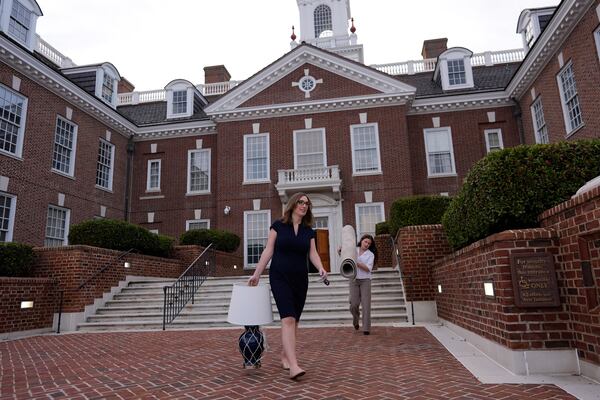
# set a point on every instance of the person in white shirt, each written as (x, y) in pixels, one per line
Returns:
(360, 287)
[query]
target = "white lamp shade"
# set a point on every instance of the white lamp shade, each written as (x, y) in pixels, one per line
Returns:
(250, 305)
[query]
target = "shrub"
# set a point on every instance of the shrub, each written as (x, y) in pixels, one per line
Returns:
(165, 245)
(16, 260)
(510, 188)
(116, 235)
(417, 210)
(382, 228)
(221, 240)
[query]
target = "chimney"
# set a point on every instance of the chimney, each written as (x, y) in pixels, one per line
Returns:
(215, 74)
(125, 86)
(432, 48)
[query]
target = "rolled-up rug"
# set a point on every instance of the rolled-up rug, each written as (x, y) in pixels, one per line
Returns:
(348, 253)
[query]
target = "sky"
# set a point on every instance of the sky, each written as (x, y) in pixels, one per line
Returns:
(152, 42)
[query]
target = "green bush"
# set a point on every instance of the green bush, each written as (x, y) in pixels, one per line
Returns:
(508, 189)
(165, 244)
(16, 260)
(417, 210)
(221, 240)
(382, 228)
(117, 235)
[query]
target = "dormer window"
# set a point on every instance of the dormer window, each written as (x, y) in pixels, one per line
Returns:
(107, 88)
(107, 79)
(19, 20)
(183, 99)
(180, 102)
(532, 23)
(529, 34)
(453, 69)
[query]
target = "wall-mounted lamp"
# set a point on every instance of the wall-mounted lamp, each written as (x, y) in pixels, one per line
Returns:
(439, 288)
(226, 210)
(127, 264)
(235, 266)
(27, 304)
(488, 288)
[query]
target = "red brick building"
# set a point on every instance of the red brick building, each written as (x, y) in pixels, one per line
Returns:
(77, 142)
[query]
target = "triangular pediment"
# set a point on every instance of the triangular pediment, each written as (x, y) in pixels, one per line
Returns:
(334, 77)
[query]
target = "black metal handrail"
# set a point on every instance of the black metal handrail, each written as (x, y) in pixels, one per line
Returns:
(185, 287)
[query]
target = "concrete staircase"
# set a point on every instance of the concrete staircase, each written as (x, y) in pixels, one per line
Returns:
(139, 305)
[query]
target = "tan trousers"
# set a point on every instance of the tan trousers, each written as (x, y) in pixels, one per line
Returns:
(360, 294)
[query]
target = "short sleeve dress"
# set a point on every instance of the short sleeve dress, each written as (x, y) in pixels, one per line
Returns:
(288, 274)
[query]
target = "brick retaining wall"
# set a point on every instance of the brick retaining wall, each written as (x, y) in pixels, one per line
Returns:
(42, 292)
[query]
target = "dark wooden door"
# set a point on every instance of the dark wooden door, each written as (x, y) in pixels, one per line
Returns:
(323, 248)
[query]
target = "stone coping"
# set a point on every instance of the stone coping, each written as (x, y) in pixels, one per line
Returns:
(573, 202)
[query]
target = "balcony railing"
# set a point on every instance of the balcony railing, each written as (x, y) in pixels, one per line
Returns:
(427, 65)
(45, 49)
(313, 179)
(149, 96)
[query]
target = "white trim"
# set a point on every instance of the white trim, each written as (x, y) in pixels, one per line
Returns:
(563, 100)
(357, 206)
(196, 221)
(461, 103)
(597, 39)
(11, 216)
(148, 177)
(246, 213)
(323, 136)
(245, 166)
(112, 165)
(189, 171)
(372, 172)
(487, 132)
(180, 85)
(21, 133)
(448, 130)
(72, 159)
(67, 222)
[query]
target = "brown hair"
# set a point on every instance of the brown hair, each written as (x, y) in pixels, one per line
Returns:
(372, 247)
(307, 220)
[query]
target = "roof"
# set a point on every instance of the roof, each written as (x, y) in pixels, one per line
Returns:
(155, 113)
(485, 79)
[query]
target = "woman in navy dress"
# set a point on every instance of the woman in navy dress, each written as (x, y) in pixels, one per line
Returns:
(291, 243)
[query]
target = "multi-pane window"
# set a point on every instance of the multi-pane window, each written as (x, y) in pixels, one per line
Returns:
(65, 140)
(107, 88)
(20, 22)
(256, 157)
(493, 140)
(456, 72)
(104, 167)
(256, 232)
(367, 216)
(57, 226)
(321, 223)
(199, 171)
(13, 108)
(539, 122)
(439, 151)
(7, 216)
(365, 148)
(529, 34)
(180, 102)
(309, 148)
(153, 176)
(197, 224)
(322, 15)
(570, 99)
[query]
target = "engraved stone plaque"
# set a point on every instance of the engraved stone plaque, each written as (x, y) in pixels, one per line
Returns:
(534, 280)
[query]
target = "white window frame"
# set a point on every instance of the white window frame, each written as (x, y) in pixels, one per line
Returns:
(487, 132)
(189, 171)
(149, 188)
(268, 144)
(67, 223)
(448, 130)
(357, 207)
(71, 172)
(563, 101)
(180, 85)
(597, 39)
(537, 129)
(443, 72)
(107, 70)
(11, 216)
(352, 144)
(111, 168)
(173, 103)
(21, 131)
(196, 221)
(28, 28)
(323, 138)
(246, 214)
(154, 231)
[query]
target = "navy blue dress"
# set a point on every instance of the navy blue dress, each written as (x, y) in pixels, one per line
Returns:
(288, 274)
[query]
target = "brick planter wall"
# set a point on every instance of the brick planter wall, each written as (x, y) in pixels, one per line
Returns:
(463, 301)
(228, 264)
(420, 246)
(577, 223)
(385, 257)
(13, 291)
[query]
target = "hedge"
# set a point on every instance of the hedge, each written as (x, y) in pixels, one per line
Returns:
(382, 228)
(221, 240)
(417, 210)
(119, 235)
(508, 189)
(16, 260)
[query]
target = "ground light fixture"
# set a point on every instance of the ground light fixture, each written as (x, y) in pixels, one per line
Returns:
(439, 288)
(27, 304)
(488, 288)
(127, 264)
